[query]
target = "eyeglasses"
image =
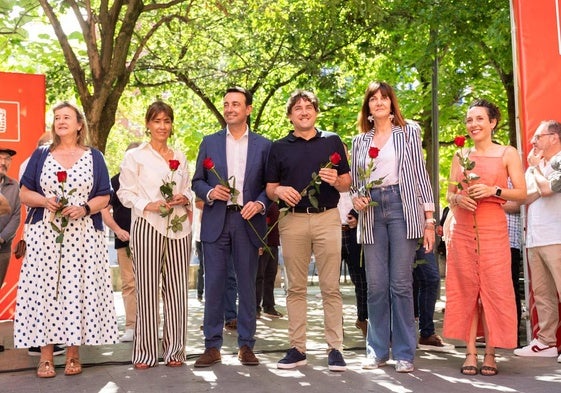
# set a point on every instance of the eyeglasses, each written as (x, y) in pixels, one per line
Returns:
(7, 158)
(538, 136)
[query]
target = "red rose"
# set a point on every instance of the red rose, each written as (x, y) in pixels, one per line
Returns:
(61, 176)
(173, 164)
(335, 158)
(208, 163)
(373, 152)
(460, 141)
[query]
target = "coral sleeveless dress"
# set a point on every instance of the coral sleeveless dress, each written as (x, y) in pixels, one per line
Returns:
(481, 279)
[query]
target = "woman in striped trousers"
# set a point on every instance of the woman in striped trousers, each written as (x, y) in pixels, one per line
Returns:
(155, 184)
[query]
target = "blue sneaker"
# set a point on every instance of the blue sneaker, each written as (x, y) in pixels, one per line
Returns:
(292, 359)
(335, 361)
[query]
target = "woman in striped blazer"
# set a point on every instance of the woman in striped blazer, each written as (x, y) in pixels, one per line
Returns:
(392, 192)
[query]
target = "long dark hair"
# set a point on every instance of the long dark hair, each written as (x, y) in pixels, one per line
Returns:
(364, 125)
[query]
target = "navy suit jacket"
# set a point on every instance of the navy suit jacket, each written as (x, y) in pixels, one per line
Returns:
(214, 215)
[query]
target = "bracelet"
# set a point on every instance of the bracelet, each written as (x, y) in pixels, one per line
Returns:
(431, 220)
(87, 208)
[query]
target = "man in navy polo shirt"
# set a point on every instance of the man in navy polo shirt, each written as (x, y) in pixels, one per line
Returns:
(309, 227)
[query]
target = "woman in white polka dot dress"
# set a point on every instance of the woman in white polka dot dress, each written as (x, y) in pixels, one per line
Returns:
(64, 293)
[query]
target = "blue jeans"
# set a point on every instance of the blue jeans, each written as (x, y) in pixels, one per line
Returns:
(427, 279)
(389, 265)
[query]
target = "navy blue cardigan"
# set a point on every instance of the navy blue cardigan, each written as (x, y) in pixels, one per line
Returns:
(32, 176)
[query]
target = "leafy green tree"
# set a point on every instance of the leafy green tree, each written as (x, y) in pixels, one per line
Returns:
(107, 50)
(269, 47)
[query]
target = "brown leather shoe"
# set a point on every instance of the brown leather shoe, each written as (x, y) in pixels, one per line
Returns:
(362, 325)
(208, 358)
(247, 357)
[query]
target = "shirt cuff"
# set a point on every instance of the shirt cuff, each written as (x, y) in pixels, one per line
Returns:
(209, 201)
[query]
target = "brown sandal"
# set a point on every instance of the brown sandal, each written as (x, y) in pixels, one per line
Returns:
(469, 370)
(488, 371)
(174, 363)
(46, 369)
(141, 366)
(73, 367)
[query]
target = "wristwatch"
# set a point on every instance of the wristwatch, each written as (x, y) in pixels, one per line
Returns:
(498, 191)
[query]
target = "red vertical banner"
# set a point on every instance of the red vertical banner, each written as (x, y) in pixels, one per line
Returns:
(537, 66)
(22, 121)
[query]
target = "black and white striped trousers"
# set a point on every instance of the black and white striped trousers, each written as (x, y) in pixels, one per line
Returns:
(149, 249)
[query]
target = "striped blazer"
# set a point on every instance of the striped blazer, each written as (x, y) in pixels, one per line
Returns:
(414, 184)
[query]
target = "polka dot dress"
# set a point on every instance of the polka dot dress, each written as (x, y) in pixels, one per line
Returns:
(81, 312)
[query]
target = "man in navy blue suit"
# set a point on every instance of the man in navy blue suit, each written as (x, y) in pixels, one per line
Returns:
(237, 155)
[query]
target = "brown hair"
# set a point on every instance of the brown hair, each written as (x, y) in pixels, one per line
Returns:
(364, 125)
(155, 109)
(83, 136)
(304, 95)
(493, 111)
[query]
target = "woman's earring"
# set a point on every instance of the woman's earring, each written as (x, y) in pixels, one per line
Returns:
(147, 133)
(391, 116)
(370, 118)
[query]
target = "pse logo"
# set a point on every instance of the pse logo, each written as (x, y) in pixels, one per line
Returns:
(9, 121)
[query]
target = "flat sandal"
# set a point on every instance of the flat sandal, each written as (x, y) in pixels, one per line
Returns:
(73, 367)
(174, 363)
(46, 369)
(469, 370)
(488, 371)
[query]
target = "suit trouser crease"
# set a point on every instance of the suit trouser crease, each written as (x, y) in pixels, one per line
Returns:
(233, 243)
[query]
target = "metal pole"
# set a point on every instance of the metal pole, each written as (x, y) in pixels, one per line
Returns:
(435, 144)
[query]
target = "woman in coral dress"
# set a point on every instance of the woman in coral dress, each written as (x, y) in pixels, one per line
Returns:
(479, 295)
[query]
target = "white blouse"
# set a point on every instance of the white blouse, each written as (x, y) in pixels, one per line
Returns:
(143, 171)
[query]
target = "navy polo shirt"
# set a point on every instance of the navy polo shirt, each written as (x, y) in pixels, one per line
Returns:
(292, 160)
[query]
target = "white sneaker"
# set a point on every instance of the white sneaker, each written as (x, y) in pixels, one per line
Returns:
(403, 366)
(536, 348)
(128, 336)
(372, 363)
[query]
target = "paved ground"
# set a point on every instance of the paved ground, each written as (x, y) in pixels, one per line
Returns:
(107, 369)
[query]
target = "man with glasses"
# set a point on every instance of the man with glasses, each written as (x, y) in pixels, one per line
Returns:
(543, 239)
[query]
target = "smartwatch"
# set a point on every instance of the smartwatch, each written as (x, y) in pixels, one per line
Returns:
(498, 191)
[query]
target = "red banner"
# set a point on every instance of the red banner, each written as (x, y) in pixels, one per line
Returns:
(537, 28)
(22, 121)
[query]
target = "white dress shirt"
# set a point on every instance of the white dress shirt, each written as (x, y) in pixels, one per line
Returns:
(236, 158)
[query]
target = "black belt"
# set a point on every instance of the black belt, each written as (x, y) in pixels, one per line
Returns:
(310, 210)
(233, 208)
